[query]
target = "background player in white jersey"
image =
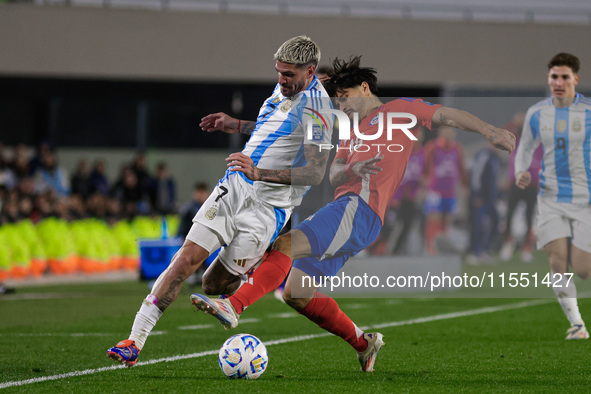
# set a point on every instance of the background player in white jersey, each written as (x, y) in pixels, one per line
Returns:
(562, 124)
(246, 214)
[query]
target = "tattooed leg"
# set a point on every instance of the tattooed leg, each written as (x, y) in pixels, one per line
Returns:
(171, 294)
(166, 289)
(184, 263)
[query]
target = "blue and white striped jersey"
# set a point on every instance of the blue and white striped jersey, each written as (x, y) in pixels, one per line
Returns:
(565, 135)
(278, 139)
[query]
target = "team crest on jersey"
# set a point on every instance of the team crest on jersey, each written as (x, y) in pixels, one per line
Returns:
(317, 133)
(286, 106)
(276, 100)
(577, 124)
(211, 213)
(374, 121)
(561, 126)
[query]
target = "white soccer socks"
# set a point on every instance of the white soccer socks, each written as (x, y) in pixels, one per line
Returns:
(145, 320)
(566, 292)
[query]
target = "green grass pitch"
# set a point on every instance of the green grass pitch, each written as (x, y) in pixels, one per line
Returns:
(432, 344)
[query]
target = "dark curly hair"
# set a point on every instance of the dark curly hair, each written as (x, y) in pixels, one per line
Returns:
(345, 75)
(565, 59)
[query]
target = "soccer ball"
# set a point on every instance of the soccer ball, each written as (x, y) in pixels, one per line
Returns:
(243, 356)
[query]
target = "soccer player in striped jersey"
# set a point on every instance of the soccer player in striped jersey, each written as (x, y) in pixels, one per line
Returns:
(562, 124)
(365, 181)
(246, 211)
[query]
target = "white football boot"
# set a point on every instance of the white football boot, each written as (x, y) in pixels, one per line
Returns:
(577, 331)
(221, 309)
(367, 359)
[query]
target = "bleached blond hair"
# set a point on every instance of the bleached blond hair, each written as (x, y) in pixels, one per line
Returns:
(300, 50)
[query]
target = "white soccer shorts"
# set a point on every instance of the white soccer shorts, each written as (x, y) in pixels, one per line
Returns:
(244, 224)
(561, 220)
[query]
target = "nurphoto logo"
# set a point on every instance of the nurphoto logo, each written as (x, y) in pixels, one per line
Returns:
(316, 123)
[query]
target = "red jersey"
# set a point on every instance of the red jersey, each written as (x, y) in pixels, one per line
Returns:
(377, 190)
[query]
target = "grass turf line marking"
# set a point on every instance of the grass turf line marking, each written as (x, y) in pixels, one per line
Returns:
(284, 315)
(195, 327)
(453, 315)
(49, 334)
(357, 306)
(73, 334)
(45, 296)
(298, 338)
(253, 320)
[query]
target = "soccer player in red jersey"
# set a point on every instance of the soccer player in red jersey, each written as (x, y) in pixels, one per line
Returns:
(366, 174)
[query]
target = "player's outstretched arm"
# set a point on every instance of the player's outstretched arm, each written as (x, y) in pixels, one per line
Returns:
(499, 138)
(341, 172)
(311, 174)
(226, 123)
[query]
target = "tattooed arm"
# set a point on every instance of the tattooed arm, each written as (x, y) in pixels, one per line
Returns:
(499, 138)
(311, 174)
(246, 127)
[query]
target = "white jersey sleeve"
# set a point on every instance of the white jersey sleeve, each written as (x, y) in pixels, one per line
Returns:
(530, 139)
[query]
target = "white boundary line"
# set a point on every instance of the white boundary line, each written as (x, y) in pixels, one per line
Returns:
(452, 315)
(299, 338)
(43, 296)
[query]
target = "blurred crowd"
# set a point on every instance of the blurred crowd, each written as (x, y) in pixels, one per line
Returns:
(61, 221)
(33, 185)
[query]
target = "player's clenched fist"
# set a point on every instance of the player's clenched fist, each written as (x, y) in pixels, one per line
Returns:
(502, 139)
(522, 179)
